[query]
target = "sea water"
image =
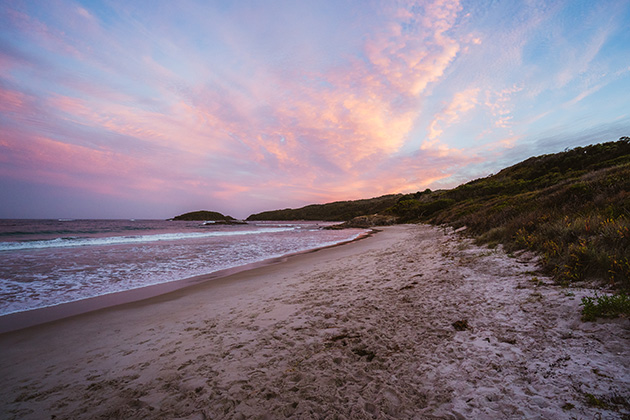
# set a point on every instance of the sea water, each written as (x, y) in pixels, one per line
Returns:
(49, 262)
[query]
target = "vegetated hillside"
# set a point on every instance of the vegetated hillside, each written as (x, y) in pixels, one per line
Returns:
(203, 215)
(337, 211)
(571, 207)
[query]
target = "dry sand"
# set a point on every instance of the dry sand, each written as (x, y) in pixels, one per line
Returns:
(359, 331)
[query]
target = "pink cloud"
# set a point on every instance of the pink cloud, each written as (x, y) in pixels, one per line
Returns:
(328, 138)
(12, 101)
(99, 169)
(409, 61)
(43, 160)
(366, 114)
(181, 128)
(41, 33)
(368, 108)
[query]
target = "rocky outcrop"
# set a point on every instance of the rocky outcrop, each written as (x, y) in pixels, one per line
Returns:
(212, 217)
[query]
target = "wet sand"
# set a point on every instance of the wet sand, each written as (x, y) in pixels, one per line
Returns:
(365, 330)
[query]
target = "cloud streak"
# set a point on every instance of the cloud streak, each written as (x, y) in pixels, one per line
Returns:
(247, 107)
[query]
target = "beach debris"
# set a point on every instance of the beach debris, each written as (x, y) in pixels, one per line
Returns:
(362, 351)
(461, 325)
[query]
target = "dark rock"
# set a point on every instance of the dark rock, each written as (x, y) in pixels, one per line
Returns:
(211, 217)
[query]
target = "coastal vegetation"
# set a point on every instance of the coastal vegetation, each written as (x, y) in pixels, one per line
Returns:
(572, 208)
(337, 211)
(605, 306)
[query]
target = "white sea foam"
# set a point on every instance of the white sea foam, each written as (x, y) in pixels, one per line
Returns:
(117, 240)
(86, 258)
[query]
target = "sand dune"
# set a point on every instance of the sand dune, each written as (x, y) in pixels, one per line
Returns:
(361, 331)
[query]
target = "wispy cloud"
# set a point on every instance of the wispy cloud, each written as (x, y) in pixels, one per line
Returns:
(288, 103)
(462, 103)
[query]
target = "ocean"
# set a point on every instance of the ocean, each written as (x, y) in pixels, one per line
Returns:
(48, 262)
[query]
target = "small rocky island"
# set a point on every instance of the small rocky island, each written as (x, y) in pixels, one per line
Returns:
(209, 217)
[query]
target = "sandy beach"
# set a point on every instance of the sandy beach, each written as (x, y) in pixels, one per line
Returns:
(413, 322)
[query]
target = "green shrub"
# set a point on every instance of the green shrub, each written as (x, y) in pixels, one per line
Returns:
(572, 208)
(605, 306)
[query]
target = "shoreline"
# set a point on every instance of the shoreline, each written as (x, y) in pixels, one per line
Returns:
(371, 329)
(16, 321)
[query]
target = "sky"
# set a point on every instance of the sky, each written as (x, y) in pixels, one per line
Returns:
(149, 109)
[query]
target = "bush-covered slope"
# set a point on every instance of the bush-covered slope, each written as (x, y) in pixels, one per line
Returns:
(571, 207)
(337, 211)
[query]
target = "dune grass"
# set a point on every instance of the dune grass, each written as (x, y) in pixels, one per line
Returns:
(572, 208)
